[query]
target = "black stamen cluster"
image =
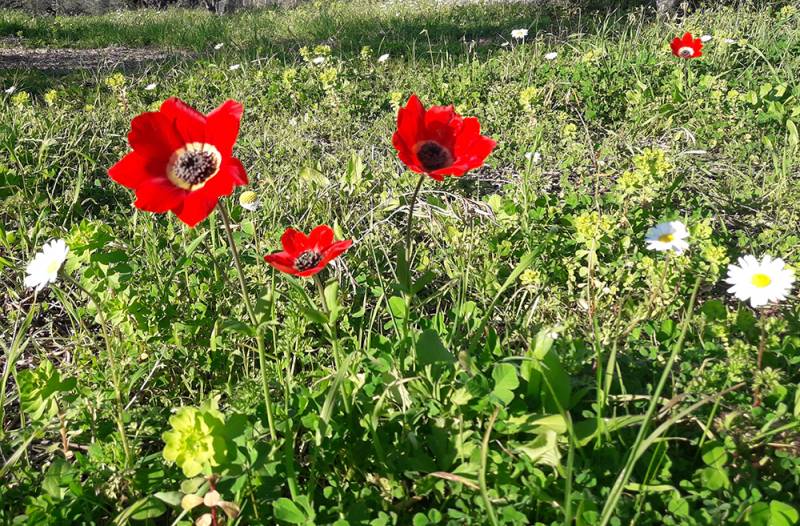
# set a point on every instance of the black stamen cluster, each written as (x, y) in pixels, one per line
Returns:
(195, 167)
(307, 260)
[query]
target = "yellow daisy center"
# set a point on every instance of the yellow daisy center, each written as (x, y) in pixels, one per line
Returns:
(666, 238)
(760, 280)
(53, 266)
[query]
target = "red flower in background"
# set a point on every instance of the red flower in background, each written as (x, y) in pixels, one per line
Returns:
(438, 141)
(306, 255)
(687, 47)
(182, 160)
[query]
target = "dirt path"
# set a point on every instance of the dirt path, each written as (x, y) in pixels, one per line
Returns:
(63, 59)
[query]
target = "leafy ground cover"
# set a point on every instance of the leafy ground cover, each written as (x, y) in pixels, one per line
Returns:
(535, 361)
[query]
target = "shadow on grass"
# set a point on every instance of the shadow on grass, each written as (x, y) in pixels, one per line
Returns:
(414, 33)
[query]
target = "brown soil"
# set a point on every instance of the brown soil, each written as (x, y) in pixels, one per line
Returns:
(63, 59)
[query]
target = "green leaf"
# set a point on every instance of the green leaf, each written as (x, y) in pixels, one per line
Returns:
(714, 454)
(505, 381)
(543, 450)
(782, 514)
(173, 498)
(311, 175)
(714, 478)
(286, 510)
(397, 306)
(759, 514)
(430, 349)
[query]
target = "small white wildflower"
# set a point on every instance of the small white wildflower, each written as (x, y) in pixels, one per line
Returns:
(519, 34)
(11, 90)
(534, 157)
(43, 268)
(383, 58)
(705, 38)
(551, 56)
(234, 67)
(250, 201)
(318, 60)
(671, 235)
(761, 282)
(150, 87)
(219, 46)
(729, 41)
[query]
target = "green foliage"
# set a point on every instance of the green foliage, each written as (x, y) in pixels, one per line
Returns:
(530, 294)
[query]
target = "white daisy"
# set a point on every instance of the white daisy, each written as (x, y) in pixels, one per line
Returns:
(761, 282)
(519, 34)
(234, 67)
(219, 46)
(250, 201)
(534, 157)
(318, 60)
(705, 38)
(383, 58)
(671, 235)
(11, 90)
(150, 87)
(44, 267)
(551, 56)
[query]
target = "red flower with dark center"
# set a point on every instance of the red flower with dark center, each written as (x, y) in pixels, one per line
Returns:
(182, 160)
(438, 141)
(687, 47)
(305, 255)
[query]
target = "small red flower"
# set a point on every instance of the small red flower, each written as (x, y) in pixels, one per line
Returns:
(182, 160)
(438, 141)
(687, 47)
(306, 255)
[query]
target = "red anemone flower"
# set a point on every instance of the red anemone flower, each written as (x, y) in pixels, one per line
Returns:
(438, 141)
(687, 47)
(182, 160)
(305, 255)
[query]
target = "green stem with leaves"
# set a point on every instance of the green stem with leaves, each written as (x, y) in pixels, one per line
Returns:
(262, 358)
(114, 370)
(627, 470)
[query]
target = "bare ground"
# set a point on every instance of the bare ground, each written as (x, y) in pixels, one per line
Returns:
(63, 59)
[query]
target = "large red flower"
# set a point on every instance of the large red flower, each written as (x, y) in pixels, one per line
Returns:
(686, 46)
(438, 141)
(182, 160)
(305, 255)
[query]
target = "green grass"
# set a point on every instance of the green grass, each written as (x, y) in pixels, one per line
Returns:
(511, 388)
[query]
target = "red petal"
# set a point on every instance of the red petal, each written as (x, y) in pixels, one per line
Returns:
(152, 137)
(157, 194)
(320, 238)
(405, 154)
(335, 250)
(282, 261)
(294, 242)
(470, 131)
(236, 169)
(411, 121)
(223, 126)
(130, 171)
(197, 206)
(442, 125)
(188, 123)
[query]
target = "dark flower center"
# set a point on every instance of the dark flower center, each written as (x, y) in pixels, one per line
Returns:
(195, 166)
(433, 156)
(307, 260)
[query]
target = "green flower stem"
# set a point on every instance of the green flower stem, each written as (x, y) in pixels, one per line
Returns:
(262, 358)
(409, 223)
(482, 472)
(624, 476)
(12, 353)
(337, 358)
(113, 366)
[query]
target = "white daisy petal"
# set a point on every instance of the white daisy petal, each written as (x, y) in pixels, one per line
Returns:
(760, 282)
